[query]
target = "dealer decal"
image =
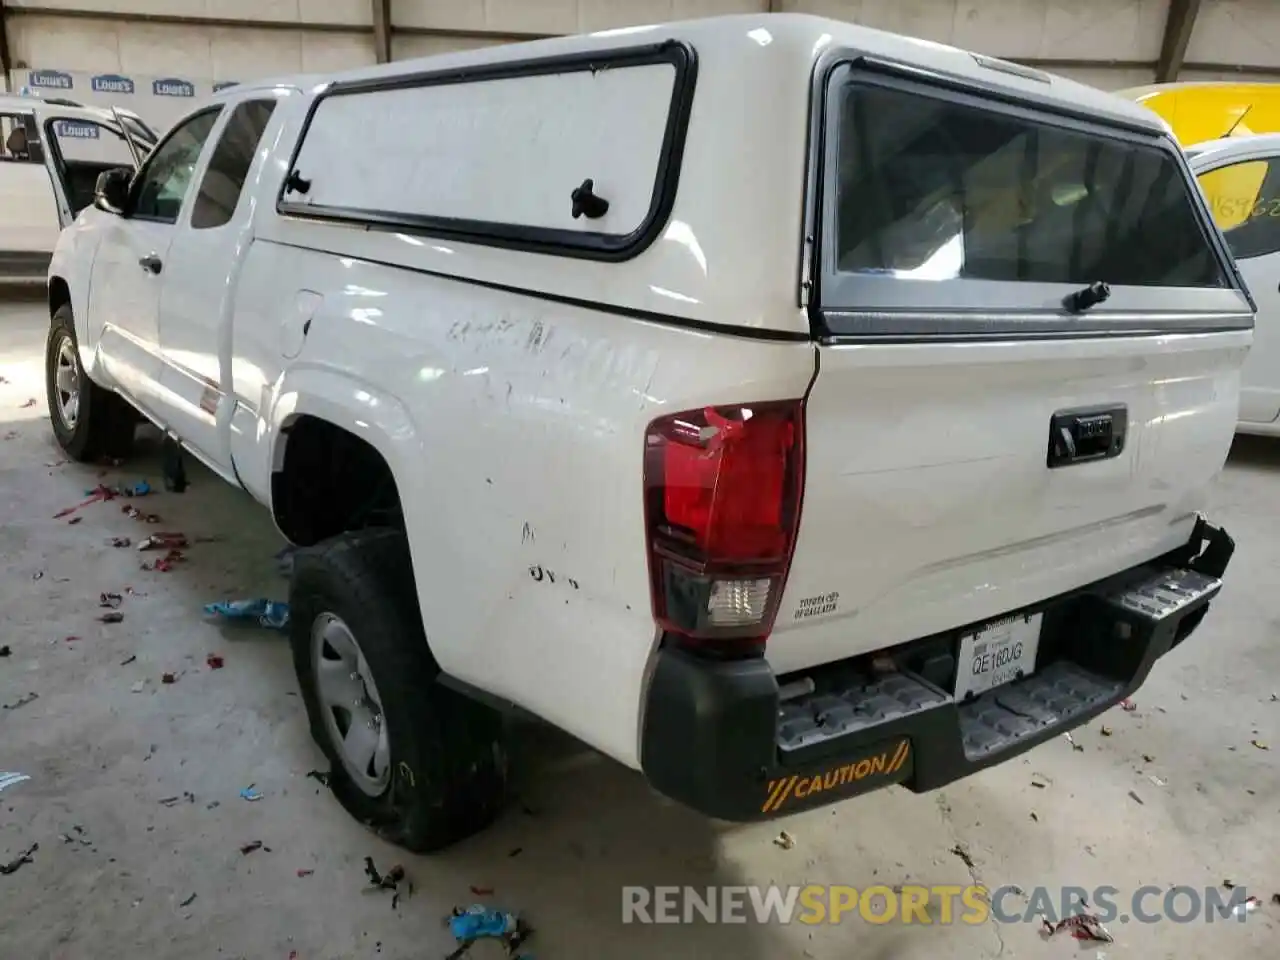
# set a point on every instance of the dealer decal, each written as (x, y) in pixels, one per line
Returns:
(795, 787)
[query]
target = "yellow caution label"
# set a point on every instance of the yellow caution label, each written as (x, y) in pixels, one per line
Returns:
(795, 787)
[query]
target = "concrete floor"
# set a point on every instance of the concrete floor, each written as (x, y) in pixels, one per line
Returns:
(101, 757)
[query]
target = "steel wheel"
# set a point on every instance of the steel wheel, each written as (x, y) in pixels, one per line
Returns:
(67, 385)
(349, 702)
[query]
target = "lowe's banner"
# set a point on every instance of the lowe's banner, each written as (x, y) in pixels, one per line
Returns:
(111, 83)
(74, 130)
(159, 100)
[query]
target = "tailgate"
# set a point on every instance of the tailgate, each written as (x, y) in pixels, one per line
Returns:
(929, 503)
(1031, 336)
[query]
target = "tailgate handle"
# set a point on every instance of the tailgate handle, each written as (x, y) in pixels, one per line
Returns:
(1081, 436)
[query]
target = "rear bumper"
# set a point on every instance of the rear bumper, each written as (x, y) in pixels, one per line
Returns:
(718, 737)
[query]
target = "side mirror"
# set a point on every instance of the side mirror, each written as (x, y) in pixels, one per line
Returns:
(112, 190)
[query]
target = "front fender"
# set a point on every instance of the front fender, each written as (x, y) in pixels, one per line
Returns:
(72, 262)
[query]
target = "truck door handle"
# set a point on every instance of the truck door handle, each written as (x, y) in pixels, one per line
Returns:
(151, 263)
(1079, 436)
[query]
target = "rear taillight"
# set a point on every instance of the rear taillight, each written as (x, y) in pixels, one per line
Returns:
(722, 502)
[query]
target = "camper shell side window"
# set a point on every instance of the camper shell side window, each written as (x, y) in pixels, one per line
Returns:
(576, 155)
(951, 212)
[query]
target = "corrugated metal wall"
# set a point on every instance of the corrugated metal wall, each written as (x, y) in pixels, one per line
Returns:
(1107, 43)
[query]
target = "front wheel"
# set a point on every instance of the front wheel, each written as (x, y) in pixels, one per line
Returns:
(421, 764)
(88, 421)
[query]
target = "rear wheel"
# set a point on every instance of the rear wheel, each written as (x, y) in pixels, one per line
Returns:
(88, 421)
(421, 764)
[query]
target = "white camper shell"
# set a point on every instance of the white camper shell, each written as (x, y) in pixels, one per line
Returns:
(785, 408)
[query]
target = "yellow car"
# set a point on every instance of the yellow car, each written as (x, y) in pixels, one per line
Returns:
(1207, 110)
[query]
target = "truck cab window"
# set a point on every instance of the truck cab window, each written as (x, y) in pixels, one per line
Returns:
(229, 165)
(164, 179)
(13, 139)
(1244, 198)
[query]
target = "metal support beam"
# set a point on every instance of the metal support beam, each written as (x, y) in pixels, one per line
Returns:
(1177, 35)
(382, 30)
(6, 59)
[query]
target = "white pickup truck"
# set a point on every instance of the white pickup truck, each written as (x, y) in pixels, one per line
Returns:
(785, 408)
(51, 152)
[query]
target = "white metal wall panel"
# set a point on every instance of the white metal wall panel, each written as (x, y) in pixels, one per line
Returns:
(557, 16)
(1237, 31)
(355, 12)
(407, 46)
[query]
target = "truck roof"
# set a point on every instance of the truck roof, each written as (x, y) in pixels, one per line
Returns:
(20, 104)
(797, 39)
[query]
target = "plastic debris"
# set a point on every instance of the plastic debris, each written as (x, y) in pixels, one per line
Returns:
(1157, 781)
(167, 562)
(133, 513)
(1259, 744)
(1275, 898)
(110, 600)
(1241, 909)
(1082, 926)
(22, 701)
(303, 872)
(1137, 798)
(189, 901)
(139, 686)
(30, 403)
(1071, 740)
(5, 651)
(114, 616)
(187, 797)
(169, 540)
(214, 661)
(1105, 731)
(960, 851)
(15, 864)
(784, 840)
(74, 520)
(120, 542)
(97, 495)
(319, 776)
(273, 614)
(11, 779)
(250, 794)
(128, 660)
(1127, 705)
(168, 678)
(391, 880)
(479, 922)
(1148, 758)
(252, 846)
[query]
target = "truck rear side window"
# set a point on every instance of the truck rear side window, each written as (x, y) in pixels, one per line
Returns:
(933, 188)
(229, 165)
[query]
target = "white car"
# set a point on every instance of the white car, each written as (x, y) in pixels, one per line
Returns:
(51, 153)
(785, 408)
(1241, 180)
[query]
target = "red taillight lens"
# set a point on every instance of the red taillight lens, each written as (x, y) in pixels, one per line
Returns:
(722, 502)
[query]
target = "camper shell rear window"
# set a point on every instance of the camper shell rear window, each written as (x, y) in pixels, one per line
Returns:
(576, 155)
(947, 212)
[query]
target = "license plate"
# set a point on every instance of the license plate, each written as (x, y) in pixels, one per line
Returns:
(996, 654)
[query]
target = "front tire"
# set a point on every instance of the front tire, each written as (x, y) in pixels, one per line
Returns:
(422, 765)
(88, 421)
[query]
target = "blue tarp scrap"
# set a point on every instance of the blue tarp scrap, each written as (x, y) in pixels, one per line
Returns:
(269, 613)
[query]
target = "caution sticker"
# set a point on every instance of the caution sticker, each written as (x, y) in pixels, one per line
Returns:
(884, 763)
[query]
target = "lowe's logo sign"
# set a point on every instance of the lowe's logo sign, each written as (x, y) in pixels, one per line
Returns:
(71, 130)
(224, 84)
(111, 83)
(50, 79)
(173, 87)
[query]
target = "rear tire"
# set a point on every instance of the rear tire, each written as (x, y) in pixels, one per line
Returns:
(89, 421)
(420, 764)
